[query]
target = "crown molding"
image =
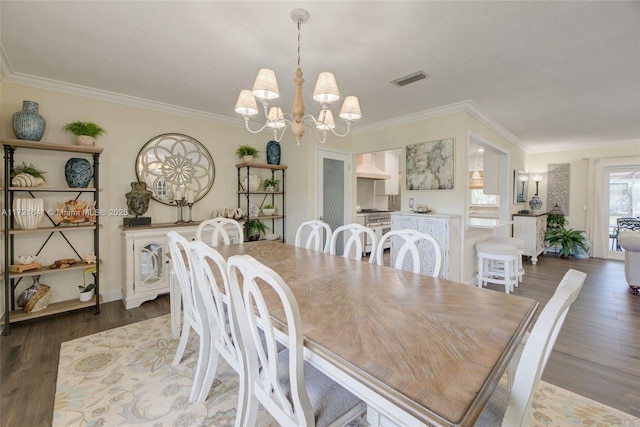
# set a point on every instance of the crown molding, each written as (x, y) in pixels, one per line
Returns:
(8, 75)
(552, 147)
(467, 106)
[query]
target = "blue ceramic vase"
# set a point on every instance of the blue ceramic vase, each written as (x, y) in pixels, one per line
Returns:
(535, 203)
(78, 172)
(273, 153)
(28, 124)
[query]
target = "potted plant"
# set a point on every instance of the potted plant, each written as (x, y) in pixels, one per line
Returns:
(27, 176)
(247, 153)
(86, 291)
(255, 228)
(268, 210)
(270, 184)
(86, 132)
(571, 242)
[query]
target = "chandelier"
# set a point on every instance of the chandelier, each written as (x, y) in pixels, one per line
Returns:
(326, 91)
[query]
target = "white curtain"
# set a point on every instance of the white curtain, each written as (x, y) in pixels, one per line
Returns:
(597, 209)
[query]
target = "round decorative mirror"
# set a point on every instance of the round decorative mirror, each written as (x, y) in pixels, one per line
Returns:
(175, 166)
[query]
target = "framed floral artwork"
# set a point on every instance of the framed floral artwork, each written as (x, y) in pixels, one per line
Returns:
(430, 165)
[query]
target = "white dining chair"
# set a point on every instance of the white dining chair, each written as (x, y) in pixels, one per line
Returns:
(218, 232)
(182, 264)
(353, 240)
(318, 234)
(416, 246)
(514, 409)
(292, 391)
(212, 284)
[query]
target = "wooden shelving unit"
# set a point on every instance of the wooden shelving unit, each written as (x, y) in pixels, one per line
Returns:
(277, 172)
(10, 233)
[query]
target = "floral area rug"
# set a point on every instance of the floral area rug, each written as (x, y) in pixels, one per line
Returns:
(124, 377)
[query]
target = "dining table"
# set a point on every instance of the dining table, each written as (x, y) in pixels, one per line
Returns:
(419, 350)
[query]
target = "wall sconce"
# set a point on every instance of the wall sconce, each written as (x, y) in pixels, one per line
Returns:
(535, 203)
(536, 177)
(521, 195)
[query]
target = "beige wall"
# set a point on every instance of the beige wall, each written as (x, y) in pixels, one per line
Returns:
(460, 126)
(128, 129)
(612, 154)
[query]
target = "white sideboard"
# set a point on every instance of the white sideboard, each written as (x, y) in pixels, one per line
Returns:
(444, 228)
(147, 270)
(531, 228)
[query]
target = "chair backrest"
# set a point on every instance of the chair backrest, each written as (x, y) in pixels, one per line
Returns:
(292, 408)
(632, 224)
(216, 300)
(420, 246)
(182, 263)
(538, 347)
(354, 236)
(219, 234)
(315, 237)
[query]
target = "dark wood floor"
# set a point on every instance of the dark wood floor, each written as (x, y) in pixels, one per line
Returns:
(597, 353)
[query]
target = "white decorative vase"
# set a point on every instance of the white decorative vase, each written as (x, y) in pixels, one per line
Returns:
(247, 159)
(86, 296)
(27, 213)
(253, 183)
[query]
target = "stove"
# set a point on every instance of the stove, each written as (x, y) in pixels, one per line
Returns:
(379, 221)
(376, 217)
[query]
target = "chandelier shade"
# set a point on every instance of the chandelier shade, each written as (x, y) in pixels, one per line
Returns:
(350, 108)
(265, 88)
(246, 104)
(326, 88)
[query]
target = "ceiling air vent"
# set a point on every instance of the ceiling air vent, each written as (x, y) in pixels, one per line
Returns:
(414, 77)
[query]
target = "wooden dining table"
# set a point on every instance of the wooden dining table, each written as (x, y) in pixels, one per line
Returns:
(420, 351)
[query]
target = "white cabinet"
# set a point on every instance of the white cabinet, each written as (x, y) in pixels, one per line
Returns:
(147, 270)
(444, 228)
(391, 186)
(531, 228)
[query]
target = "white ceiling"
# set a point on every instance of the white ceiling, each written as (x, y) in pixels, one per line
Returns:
(553, 74)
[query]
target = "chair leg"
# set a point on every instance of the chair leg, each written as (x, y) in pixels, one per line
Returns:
(198, 377)
(210, 373)
(184, 337)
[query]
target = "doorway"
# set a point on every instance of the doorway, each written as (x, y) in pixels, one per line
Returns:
(333, 198)
(623, 187)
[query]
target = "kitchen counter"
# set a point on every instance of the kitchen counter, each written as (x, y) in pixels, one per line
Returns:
(488, 223)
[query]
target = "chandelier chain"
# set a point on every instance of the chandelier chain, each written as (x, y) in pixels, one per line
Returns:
(299, 26)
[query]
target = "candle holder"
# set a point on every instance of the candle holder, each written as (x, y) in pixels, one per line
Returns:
(180, 203)
(190, 205)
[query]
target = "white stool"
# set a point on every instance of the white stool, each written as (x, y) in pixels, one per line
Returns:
(497, 264)
(518, 243)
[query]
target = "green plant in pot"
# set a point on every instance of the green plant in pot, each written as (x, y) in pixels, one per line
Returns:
(271, 184)
(247, 153)
(87, 290)
(571, 241)
(24, 175)
(269, 210)
(86, 132)
(254, 228)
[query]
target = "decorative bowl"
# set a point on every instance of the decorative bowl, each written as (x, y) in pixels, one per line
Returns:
(269, 212)
(272, 236)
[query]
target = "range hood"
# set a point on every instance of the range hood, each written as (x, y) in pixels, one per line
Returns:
(366, 169)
